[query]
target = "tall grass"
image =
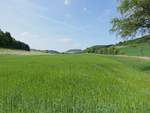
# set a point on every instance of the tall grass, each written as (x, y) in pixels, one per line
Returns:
(74, 84)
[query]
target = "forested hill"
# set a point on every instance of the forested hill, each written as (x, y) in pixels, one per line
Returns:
(7, 41)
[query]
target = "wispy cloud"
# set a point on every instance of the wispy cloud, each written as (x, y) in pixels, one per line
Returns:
(25, 34)
(70, 26)
(67, 2)
(68, 16)
(66, 40)
(68, 43)
(60, 43)
(39, 22)
(29, 35)
(85, 9)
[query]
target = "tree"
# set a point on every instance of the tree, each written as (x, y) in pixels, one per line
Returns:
(7, 41)
(1, 32)
(134, 18)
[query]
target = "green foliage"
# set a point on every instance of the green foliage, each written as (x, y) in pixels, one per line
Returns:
(101, 49)
(134, 19)
(7, 41)
(74, 84)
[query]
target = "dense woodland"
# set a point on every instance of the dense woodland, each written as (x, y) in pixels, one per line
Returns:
(7, 41)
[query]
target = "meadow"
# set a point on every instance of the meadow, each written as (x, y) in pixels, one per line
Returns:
(137, 50)
(74, 84)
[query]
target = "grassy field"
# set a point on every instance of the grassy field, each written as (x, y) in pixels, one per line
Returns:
(74, 84)
(4, 51)
(140, 50)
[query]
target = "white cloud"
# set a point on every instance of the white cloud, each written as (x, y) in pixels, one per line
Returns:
(64, 23)
(68, 43)
(66, 40)
(68, 16)
(60, 43)
(67, 2)
(85, 9)
(31, 32)
(25, 34)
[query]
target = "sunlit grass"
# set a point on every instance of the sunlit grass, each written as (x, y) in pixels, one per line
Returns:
(74, 84)
(138, 50)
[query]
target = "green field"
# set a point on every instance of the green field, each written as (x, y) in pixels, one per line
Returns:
(137, 50)
(134, 47)
(74, 84)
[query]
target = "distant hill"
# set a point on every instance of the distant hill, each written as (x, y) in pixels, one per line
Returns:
(46, 51)
(52, 51)
(74, 51)
(135, 47)
(96, 48)
(7, 41)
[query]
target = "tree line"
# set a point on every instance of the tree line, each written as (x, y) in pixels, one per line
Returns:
(99, 49)
(7, 41)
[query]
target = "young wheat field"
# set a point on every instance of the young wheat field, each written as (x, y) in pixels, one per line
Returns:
(74, 84)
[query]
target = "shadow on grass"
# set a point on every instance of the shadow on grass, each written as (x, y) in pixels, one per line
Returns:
(146, 68)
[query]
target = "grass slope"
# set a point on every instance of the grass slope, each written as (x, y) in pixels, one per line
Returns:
(4, 51)
(136, 47)
(74, 84)
(139, 50)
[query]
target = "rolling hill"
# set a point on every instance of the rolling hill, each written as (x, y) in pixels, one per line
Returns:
(135, 47)
(74, 51)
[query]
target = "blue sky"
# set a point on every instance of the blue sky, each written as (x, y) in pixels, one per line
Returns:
(59, 24)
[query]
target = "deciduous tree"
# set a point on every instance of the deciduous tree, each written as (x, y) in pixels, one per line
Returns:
(134, 18)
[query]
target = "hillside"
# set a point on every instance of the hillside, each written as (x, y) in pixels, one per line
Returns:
(7, 41)
(74, 51)
(4, 51)
(46, 51)
(135, 47)
(142, 40)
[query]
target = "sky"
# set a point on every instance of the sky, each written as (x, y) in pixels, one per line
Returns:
(59, 24)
